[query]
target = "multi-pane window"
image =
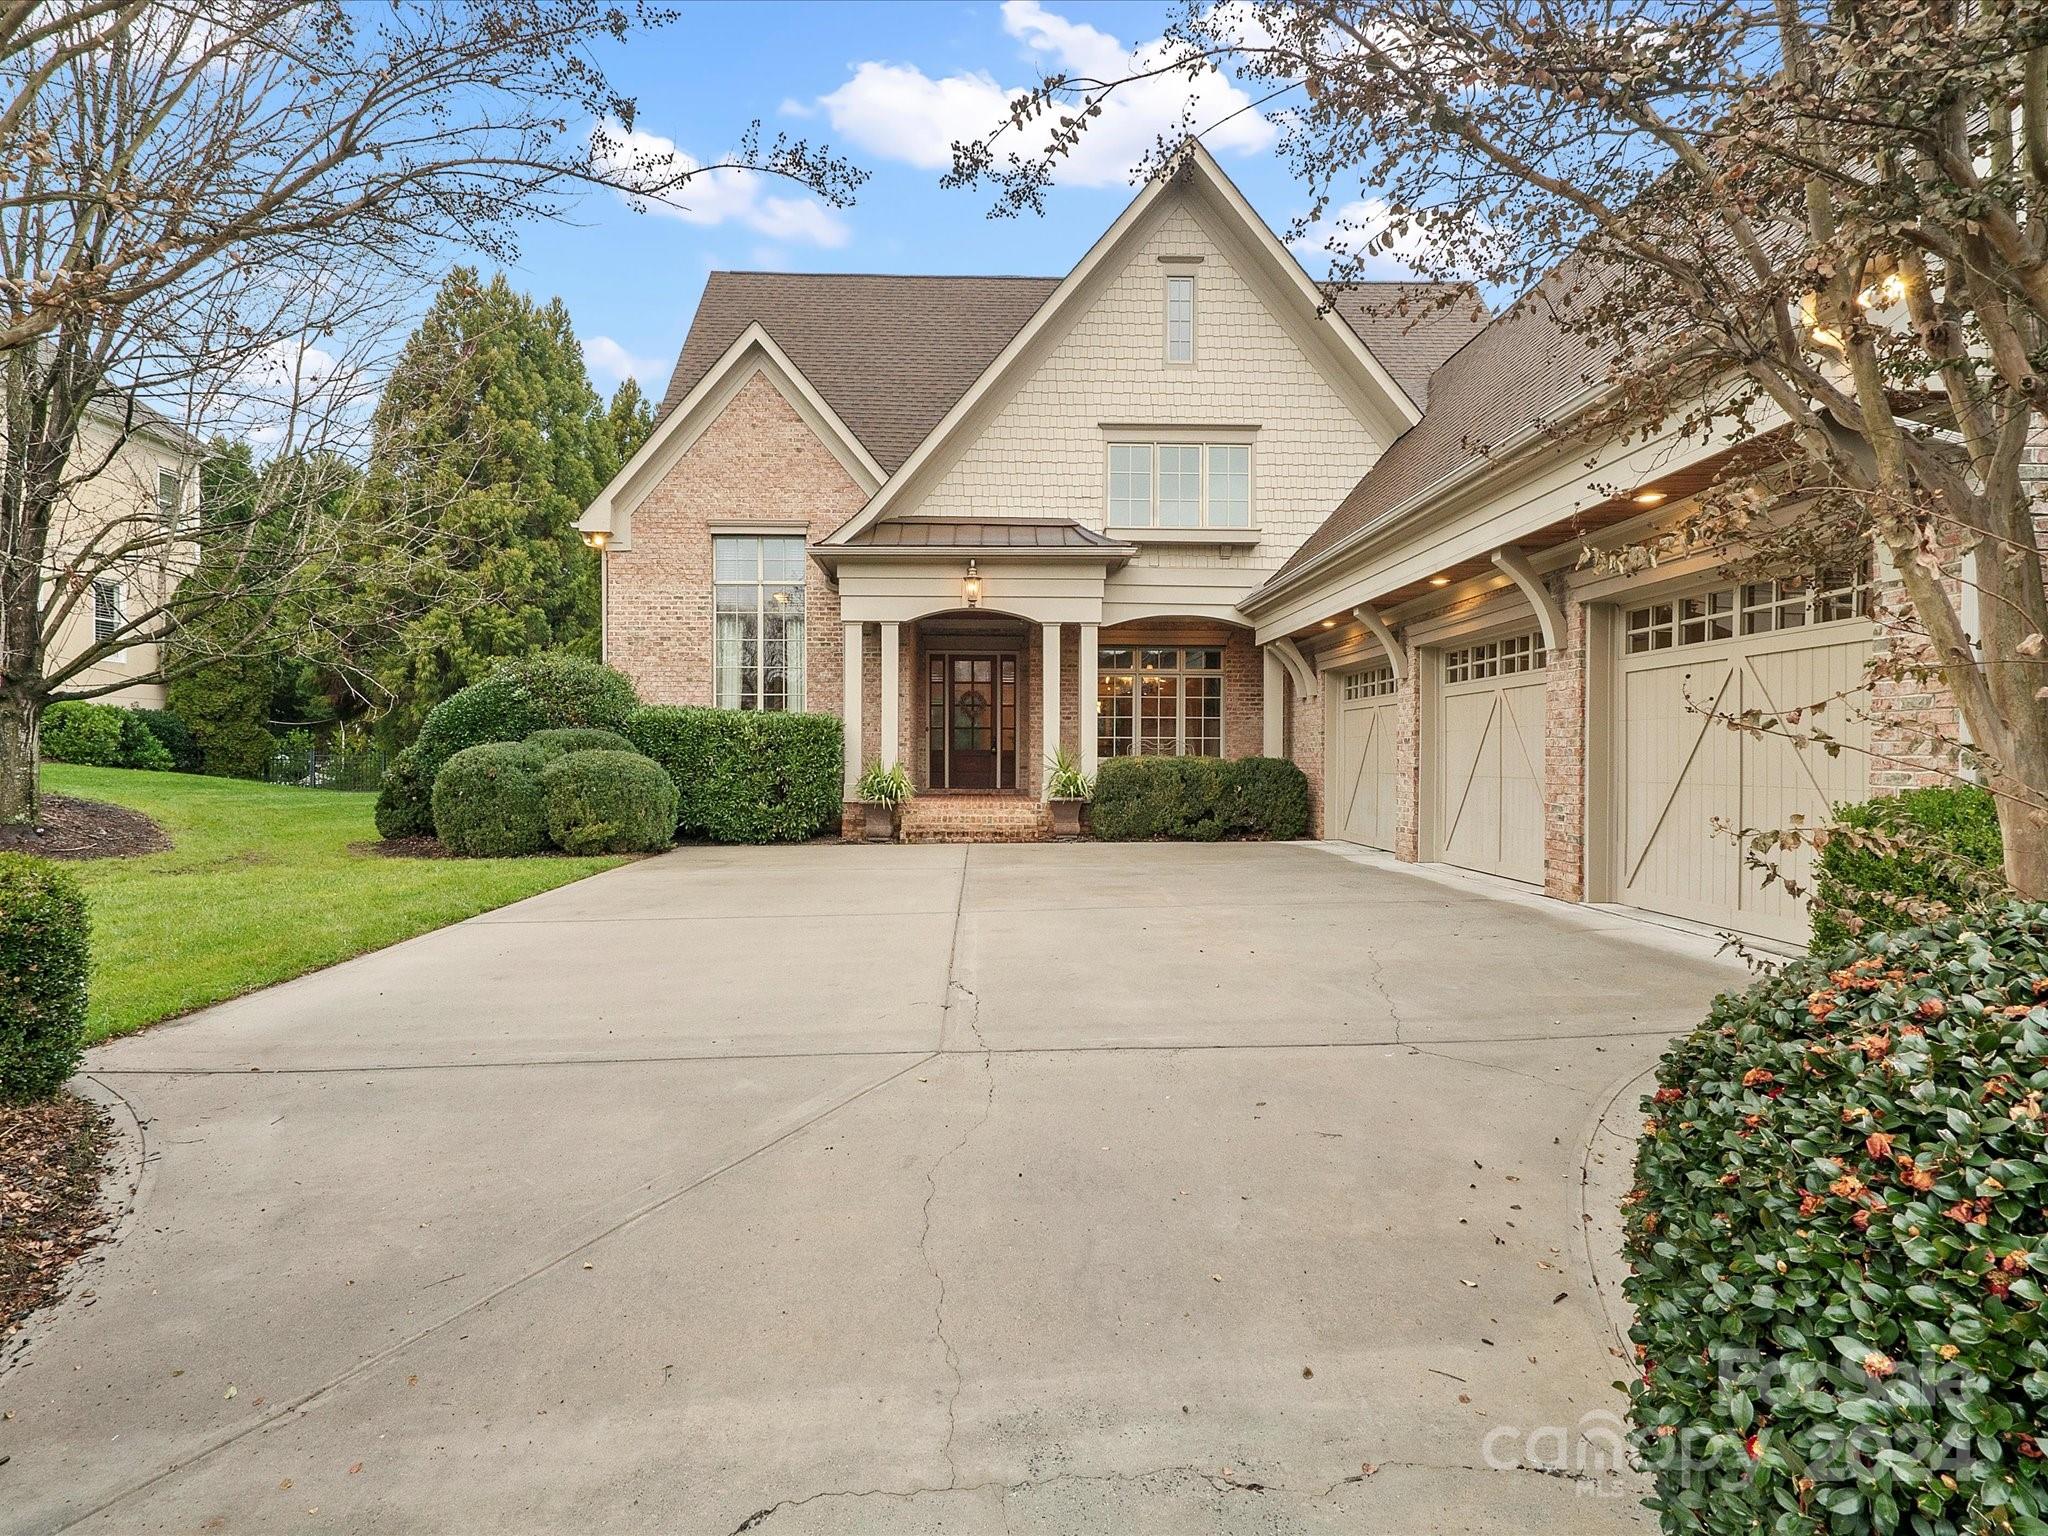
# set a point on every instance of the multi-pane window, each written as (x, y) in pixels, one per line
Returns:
(170, 500)
(1494, 658)
(1159, 701)
(1753, 608)
(1372, 683)
(107, 617)
(1180, 319)
(757, 587)
(1180, 485)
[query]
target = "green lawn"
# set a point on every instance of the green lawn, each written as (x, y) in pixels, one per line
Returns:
(260, 886)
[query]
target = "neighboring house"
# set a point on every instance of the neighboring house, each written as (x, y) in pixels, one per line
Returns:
(1170, 503)
(147, 485)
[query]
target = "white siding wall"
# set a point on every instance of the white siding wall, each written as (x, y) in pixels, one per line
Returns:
(1043, 456)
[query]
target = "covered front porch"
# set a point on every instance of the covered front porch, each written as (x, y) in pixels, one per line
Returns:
(976, 653)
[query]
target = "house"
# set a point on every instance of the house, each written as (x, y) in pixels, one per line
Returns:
(117, 547)
(1174, 503)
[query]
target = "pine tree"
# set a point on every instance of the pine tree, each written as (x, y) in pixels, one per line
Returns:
(631, 417)
(489, 428)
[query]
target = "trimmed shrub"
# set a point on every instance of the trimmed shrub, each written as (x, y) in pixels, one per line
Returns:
(139, 745)
(487, 801)
(1268, 797)
(176, 736)
(44, 950)
(538, 694)
(1930, 852)
(1838, 1238)
(77, 732)
(746, 776)
(405, 803)
(579, 738)
(1184, 798)
(602, 801)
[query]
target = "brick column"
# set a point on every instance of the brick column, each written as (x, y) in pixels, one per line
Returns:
(1564, 760)
(1408, 753)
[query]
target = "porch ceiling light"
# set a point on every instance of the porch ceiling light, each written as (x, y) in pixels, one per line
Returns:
(597, 538)
(970, 589)
(1439, 581)
(1649, 496)
(1329, 623)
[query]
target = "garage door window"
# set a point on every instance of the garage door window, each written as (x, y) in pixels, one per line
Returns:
(1494, 658)
(1159, 701)
(1757, 607)
(1372, 683)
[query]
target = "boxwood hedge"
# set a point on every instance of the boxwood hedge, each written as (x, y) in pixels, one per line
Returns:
(1199, 799)
(1922, 855)
(608, 802)
(487, 801)
(44, 950)
(75, 731)
(1838, 1235)
(746, 776)
(579, 738)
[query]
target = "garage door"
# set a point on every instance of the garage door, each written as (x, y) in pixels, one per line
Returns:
(1762, 646)
(1489, 757)
(1362, 784)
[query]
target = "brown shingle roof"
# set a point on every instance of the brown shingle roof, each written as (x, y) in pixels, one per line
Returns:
(1511, 375)
(891, 354)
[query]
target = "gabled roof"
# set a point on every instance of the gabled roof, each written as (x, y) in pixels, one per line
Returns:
(1413, 327)
(1508, 380)
(891, 353)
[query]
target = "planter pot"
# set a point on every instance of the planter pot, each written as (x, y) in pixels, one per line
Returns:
(878, 822)
(1066, 817)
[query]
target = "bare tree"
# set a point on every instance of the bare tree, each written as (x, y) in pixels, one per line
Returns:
(213, 214)
(1823, 226)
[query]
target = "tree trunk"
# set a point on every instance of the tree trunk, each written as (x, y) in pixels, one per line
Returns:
(21, 720)
(2024, 830)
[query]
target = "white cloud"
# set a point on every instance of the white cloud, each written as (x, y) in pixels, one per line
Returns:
(610, 363)
(899, 112)
(1351, 228)
(746, 198)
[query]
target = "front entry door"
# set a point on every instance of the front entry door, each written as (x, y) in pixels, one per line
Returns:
(972, 710)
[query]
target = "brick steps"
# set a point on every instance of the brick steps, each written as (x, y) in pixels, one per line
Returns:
(954, 818)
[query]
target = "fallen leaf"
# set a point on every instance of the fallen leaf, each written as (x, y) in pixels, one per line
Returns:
(1307, 1374)
(285, 1486)
(230, 1391)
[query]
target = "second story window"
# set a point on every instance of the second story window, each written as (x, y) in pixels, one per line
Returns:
(170, 500)
(107, 617)
(1180, 319)
(1180, 485)
(757, 659)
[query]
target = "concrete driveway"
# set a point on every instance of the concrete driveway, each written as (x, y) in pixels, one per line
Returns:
(1056, 1188)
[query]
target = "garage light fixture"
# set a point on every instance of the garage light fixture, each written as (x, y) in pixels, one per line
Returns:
(1649, 497)
(1329, 623)
(1439, 581)
(596, 538)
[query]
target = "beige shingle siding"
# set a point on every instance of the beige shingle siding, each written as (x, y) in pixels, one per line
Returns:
(1042, 455)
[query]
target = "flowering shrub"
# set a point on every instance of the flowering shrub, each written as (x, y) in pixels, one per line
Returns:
(1838, 1236)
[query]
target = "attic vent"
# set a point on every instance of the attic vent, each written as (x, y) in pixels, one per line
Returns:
(1180, 261)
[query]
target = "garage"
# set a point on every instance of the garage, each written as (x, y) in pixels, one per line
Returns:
(1680, 772)
(1363, 786)
(1488, 778)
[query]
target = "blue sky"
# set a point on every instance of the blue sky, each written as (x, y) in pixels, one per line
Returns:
(890, 85)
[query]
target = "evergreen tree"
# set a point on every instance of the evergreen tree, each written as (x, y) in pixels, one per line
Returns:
(631, 416)
(490, 432)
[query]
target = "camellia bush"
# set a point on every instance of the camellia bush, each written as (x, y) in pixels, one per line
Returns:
(1838, 1236)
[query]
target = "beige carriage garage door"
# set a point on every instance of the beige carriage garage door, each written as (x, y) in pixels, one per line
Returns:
(1362, 781)
(1762, 646)
(1488, 779)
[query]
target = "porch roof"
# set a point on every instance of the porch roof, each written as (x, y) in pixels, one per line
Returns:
(913, 537)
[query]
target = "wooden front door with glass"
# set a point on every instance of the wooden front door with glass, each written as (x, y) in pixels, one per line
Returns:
(971, 714)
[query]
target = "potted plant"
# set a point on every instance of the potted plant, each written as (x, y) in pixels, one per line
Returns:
(1069, 790)
(882, 792)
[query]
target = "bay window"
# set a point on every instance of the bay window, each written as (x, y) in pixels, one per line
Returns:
(757, 587)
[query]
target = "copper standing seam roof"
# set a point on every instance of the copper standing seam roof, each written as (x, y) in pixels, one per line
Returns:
(1007, 533)
(891, 354)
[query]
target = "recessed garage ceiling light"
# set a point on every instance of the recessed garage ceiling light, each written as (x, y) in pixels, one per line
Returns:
(1329, 623)
(1439, 581)
(1649, 498)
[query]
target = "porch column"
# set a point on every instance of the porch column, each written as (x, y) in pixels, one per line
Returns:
(1274, 693)
(1049, 673)
(892, 686)
(1084, 690)
(851, 665)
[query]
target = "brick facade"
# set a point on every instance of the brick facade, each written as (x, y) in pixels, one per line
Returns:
(756, 463)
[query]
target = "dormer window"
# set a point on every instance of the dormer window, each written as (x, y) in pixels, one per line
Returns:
(1180, 319)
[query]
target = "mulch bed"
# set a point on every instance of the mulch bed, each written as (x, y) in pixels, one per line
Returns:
(52, 1159)
(85, 829)
(403, 848)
